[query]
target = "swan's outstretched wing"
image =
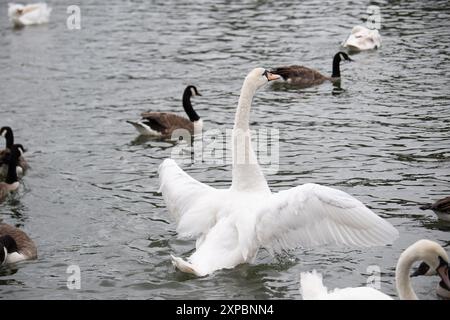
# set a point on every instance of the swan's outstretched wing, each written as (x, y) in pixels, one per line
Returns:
(311, 215)
(190, 202)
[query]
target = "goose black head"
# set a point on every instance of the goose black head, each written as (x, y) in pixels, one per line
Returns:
(192, 90)
(20, 148)
(343, 56)
(17, 150)
(8, 134)
(337, 61)
(189, 92)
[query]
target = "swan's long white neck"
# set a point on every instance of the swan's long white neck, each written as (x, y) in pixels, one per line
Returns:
(402, 279)
(247, 174)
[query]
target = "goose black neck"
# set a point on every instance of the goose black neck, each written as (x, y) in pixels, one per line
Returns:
(9, 243)
(336, 68)
(193, 116)
(11, 176)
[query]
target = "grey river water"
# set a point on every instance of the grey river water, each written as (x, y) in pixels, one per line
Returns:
(91, 197)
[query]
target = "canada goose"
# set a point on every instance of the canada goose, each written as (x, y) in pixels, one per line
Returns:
(231, 224)
(441, 208)
(305, 77)
(312, 287)
(15, 245)
(162, 124)
(22, 163)
(23, 15)
(362, 39)
(11, 183)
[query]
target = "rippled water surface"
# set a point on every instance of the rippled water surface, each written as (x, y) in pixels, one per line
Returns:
(91, 198)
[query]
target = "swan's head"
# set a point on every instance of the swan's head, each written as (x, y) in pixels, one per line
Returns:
(192, 90)
(7, 246)
(435, 259)
(15, 10)
(362, 38)
(260, 76)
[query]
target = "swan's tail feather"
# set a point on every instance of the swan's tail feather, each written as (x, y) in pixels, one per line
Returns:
(311, 286)
(184, 266)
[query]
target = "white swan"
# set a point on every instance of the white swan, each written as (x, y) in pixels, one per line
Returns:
(231, 224)
(312, 288)
(24, 15)
(362, 38)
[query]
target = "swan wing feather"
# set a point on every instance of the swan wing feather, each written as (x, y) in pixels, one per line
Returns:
(311, 215)
(190, 202)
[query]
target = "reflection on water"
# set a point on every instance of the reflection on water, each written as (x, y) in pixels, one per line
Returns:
(91, 196)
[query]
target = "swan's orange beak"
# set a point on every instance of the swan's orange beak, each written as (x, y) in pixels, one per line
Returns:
(270, 76)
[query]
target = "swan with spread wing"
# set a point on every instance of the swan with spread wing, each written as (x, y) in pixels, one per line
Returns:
(230, 225)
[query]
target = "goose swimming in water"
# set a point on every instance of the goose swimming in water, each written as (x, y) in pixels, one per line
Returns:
(22, 165)
(11, 183)
(362, 39)
(305, 77)
(15, 245)
(163, 124)
(23, 15)
(441, 208)
(230, 225)
(312, 288)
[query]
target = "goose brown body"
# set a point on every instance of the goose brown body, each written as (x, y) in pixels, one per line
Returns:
(25, 246)
(166, 123)
(163, 124)
(303, 77)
